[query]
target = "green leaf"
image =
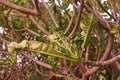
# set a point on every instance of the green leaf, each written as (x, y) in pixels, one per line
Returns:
(39, 47)
(86, 31)
(115, 29)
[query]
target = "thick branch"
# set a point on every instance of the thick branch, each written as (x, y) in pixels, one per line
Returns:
(116, 63)
(25, 10)
(19, 8)
(103, 63)
(82, 67)
(104, 57)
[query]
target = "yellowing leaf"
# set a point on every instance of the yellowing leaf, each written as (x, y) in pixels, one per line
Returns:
(34, 45)
(51, 37)
(83, 27)
(23, 44)
(12, 46)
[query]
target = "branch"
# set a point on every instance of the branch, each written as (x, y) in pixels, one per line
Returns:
(105, 9)
(103, 63)
(87, 8)
(53, 18)
(116, 63)
(112, 23)
(25, 10)
(38, 26)
(35, 2)
(44, 18)
(97, 13)
(87, 52)
(74, 5)
(36, 61)
(19, 8)
(100, 19)
(104, 57)
(112, 9)
(18, 15)
(74, 75)
(29, 30)
(97, 34)
(108, 47)
(5, 21)
(82, 67)
(71, 21)
(37, 70)
(35, 22)
(1, 38)
(63, 68)
(118, 20)
(78, 20)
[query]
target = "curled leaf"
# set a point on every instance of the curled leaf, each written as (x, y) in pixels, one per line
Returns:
(83, 26)
(12, 46)
(23, 44)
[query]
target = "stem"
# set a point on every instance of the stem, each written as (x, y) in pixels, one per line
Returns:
(71, 21)
(38, 25)
(54, 55)
(29, 30)
(105, 9)
(78, 20)
(104, 63)
(50, 12)
(36, 61)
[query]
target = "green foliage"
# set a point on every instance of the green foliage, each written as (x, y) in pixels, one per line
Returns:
(76, 40)
(116, 31)
(36, 46)
(61, 41)
(55, 47)
(86, 29)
